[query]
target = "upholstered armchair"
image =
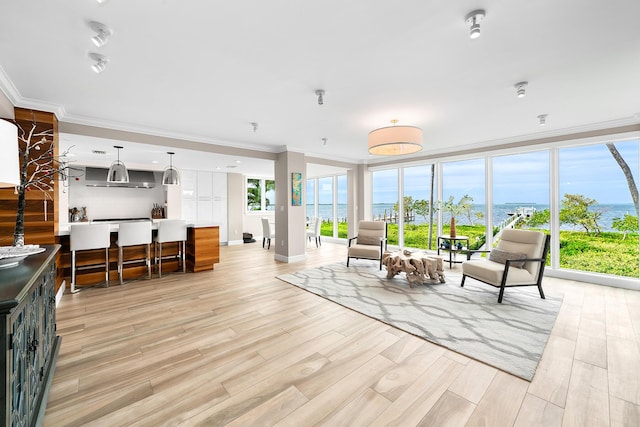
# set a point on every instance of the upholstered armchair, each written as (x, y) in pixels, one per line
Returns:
(370, 243)
(517, 260)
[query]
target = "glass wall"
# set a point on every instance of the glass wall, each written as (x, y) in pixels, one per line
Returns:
(463, 186)
(419, 189)
(325, 205)
(598, 213)
(341, 207)
(520, 193)
(384, 198)
(311, 198)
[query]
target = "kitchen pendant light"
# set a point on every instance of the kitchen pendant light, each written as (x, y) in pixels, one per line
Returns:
(171, 176)
(118, 171)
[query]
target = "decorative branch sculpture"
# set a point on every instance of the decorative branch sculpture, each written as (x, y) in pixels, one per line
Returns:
(39, 168)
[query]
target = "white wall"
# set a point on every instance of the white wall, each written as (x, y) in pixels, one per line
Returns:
(112, 202)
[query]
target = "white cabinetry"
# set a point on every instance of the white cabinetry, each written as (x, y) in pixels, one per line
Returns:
(204, 199)
(172, 202)
(188, 182)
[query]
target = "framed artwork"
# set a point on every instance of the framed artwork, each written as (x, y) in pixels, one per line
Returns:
(296, 188)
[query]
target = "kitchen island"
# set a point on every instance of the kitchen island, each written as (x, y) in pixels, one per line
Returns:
(202, 253)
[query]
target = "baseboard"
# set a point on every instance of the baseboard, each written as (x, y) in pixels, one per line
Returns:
(60, 292)
(287, 259)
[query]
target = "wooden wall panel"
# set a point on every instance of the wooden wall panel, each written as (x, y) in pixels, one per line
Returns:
(40, 216)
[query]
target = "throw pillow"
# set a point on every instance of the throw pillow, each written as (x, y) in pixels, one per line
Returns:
(498, 255)
(364, 239)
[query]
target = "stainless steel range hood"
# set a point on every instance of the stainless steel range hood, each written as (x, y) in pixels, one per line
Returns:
(97, 177)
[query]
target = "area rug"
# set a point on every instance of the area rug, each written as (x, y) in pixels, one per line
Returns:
(510, 336)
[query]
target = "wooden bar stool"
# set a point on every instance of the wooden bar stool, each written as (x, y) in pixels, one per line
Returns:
(86, 237)
(133, 234)
(171, 230)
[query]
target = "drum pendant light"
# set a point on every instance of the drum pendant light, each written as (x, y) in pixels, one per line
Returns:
(395, 140)
(118, 171)
(171, 176)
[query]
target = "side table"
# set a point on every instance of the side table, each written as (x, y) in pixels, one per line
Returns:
(453, 245)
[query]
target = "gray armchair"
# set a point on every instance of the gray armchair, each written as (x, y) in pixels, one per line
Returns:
(370, 243)
(517, 260)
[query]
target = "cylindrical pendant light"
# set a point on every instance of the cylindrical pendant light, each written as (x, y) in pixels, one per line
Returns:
(171, 176)
(9, 163)
(118, 171)
(395, 140)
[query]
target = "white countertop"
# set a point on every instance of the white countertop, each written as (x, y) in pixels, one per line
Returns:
(63, 229)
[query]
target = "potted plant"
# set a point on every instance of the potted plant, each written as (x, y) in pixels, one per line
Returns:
(454, 209)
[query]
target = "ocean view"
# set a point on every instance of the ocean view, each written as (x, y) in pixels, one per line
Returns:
(500, 212)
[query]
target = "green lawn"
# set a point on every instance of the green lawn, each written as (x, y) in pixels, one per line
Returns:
(606, 253)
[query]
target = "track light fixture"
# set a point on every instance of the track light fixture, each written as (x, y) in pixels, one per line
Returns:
(520, 89)
(473, 19)
(542, 119)
(324, 142)
(103, 33)
(254, 125)
(101, 62)
(320, 95)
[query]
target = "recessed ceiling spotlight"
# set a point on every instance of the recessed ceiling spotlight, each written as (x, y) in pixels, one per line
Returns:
(520, 89)
(320, 95)
(103, 33)
(542, 119)
(101, 62)
(473, 19)
(102, 1)
(238, 161)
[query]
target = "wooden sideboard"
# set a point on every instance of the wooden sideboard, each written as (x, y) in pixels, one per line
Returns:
(30, 345)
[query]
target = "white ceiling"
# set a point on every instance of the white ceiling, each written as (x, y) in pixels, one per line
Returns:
(204, 70)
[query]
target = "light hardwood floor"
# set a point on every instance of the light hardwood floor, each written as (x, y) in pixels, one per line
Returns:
(236, 346)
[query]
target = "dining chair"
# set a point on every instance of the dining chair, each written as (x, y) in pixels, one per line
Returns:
(133, 234)
(86, 237)
(171, 230)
